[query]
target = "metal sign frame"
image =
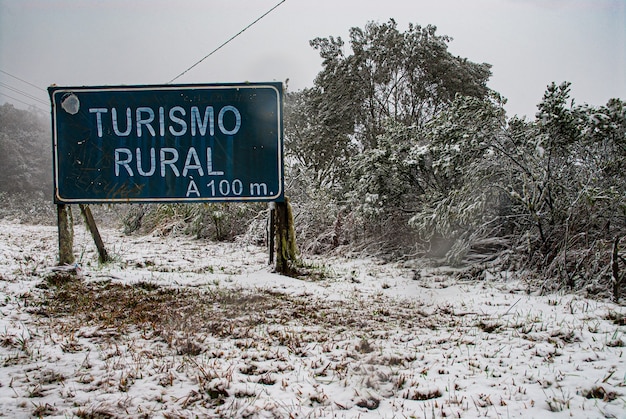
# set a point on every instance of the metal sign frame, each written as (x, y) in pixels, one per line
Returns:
(168, 143)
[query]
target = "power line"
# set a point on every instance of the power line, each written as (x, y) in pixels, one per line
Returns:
(224, 44)
(23, 93)
(25, 103)
(22, 80)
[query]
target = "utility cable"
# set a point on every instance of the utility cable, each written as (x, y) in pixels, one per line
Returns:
(224, 44)
(25, 103)
(23, 93)
(22, 80)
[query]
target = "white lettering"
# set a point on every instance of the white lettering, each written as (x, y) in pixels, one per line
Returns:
(258, 189)
(171, 162)
(129, 123)
(98, 112)
(201, 124)
(220, 120)
(152, 169)
(146, 122)
(209, 164)
(177, 120)
(161, 121)
(191, 154)
(192, 188)
(119, 162)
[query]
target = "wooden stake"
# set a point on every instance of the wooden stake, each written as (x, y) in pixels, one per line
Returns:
(617, 282)
(103, 256)
(271, 231)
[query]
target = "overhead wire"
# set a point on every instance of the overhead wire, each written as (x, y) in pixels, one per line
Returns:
(25, 103)
(22, 92)
(28, 95)
(228, 41)
(22, 80)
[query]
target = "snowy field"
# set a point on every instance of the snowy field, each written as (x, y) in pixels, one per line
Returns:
(181, 328)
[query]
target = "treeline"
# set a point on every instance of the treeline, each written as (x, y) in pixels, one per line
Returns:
(25, 165)
(401, 149)
(25, 151)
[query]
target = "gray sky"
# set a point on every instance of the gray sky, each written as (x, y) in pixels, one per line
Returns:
(530, 43)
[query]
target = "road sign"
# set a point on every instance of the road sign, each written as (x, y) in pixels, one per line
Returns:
(168, 143)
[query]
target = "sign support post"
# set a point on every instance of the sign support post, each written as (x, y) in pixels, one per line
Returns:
(286, 250)
(271, 231)
(103, 256)
(66, 234)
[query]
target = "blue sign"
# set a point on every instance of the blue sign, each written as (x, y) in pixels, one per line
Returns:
(170, 143)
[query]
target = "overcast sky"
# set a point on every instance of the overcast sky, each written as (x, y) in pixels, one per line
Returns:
(530, 43)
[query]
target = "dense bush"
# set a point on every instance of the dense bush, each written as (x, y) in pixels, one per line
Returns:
(214, 221)
(417, 164)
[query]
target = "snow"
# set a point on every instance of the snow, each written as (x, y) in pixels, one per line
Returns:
(360, 338)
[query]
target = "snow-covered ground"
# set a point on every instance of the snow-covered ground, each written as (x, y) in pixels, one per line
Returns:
(176, 327)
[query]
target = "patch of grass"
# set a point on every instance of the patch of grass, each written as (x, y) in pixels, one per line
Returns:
(42, 410)
(558, 404)
(314, 271)
(616, 317)
(148, 286)
(489, 327)
(370, 403)
(365, 347)
(417, 393)
(97, 413)
(599, 392)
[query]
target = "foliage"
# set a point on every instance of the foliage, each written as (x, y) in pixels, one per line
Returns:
(406, 77)
(353, 136)
(316, 137)
(215, 221)
(405, 142)
(28, 209)
(547, 188)
(25, 152)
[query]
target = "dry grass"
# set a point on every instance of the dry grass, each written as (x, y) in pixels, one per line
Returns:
(214, 310)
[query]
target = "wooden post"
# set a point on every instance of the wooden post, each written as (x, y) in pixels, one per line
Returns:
(103, 256)
(286, 251)
(271, 231)
(617, 282)
(66, 234)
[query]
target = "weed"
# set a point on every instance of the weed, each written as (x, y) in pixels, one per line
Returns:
(370, 403)
(42, 410)
(558, 403)
(94, 413)
(489, 327)
(417, 393)
(599, 392)
(616, 317)
(364, 346)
